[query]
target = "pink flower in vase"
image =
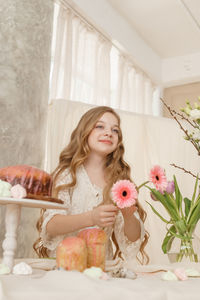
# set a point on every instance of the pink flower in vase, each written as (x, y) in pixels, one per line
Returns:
(153, 197)
(170, 187)
(158, 178)
(124, 193)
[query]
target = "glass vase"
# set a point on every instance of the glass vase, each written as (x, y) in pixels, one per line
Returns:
(185, 250)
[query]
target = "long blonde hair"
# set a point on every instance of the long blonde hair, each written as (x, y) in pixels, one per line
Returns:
(75, 154)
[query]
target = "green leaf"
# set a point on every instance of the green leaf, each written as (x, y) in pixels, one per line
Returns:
(192, 211)
(172, 229)
(177, 194)
(195, 213)
(169, 206)
(155, 211)
(181, 226)
(173, 206)
(194, 205)
(167, 242)
(180, 236)
(195, 189)
(187, 205)
(191, 228)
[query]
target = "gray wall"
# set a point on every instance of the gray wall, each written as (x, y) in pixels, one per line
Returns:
(25, 43)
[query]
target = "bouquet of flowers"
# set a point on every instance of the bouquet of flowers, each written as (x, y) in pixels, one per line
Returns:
(184, 213)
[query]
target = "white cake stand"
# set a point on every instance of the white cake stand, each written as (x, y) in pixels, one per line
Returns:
(12, 220)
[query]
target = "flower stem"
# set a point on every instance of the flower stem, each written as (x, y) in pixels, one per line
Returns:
(141, 185)
(187, 250)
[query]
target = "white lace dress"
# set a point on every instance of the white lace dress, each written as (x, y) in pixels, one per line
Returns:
(85, 197)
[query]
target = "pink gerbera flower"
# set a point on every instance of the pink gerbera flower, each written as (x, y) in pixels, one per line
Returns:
(158, 178)
(124, 193)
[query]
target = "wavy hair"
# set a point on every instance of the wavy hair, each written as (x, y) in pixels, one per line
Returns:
(75, 154)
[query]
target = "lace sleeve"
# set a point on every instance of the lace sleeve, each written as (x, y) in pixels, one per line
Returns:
(49, 242)
(129, 249)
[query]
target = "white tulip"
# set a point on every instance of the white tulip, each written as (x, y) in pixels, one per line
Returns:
(195, 114)
(196, 134)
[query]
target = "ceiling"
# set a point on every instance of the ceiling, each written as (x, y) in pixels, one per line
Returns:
(170, 27)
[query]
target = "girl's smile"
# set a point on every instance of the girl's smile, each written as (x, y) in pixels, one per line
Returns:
(106, 142)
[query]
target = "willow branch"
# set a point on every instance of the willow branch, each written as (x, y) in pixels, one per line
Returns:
(183, 118)
(174, 113)
(173, 165)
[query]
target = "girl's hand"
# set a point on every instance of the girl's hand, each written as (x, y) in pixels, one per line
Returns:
(104, 215)
(132, 227)
(128, 211)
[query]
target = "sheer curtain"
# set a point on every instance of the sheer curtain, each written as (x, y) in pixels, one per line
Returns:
(81, 60)
(87, 67)
(132, 89)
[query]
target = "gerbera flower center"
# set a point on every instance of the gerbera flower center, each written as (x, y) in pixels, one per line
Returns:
(157, 177)
(124, 193)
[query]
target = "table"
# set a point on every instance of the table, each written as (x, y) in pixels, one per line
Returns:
(12, 219)
(62, 285)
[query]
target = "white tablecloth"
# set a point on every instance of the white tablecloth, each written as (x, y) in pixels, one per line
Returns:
(69, 285)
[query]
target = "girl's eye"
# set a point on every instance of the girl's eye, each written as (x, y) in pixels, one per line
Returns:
(99, 126)
(116, 131)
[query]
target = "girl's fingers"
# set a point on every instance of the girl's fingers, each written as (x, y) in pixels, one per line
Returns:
(111, 219)
(107, 224)
(129, 211)
(110, 208)
(108, 214)
(104, 215)
(108, 221)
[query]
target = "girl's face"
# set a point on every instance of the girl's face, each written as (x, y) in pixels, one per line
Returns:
(103, 139)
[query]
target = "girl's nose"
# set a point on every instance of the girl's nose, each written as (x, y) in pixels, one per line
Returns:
(108, 132)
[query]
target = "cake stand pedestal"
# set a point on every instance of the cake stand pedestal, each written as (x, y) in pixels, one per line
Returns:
(12, 220)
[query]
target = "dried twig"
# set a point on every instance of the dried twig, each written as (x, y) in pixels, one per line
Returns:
(173, 165)
(182, 116)
(173, 114)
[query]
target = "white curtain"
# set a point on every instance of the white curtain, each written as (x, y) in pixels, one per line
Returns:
(133, 90)
(80, 60)
(87, 67)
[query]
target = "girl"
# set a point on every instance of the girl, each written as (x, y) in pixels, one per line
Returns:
(88, 167)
